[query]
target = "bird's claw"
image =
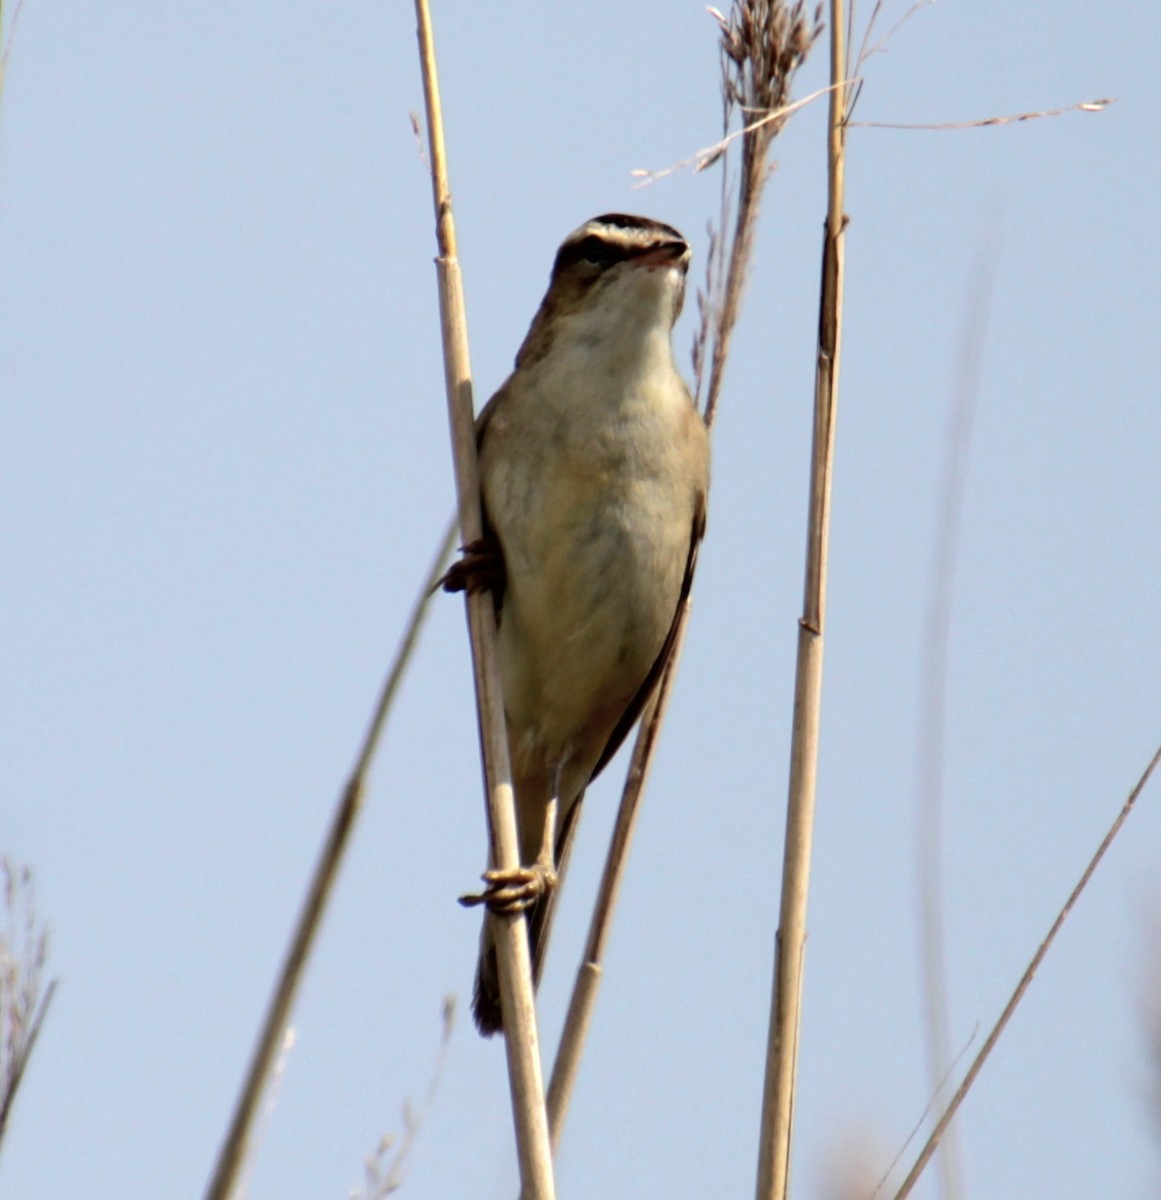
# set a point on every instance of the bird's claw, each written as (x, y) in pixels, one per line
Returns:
(480, 569)
(510, 892)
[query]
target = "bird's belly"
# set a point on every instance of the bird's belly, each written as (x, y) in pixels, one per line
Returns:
(594, 576)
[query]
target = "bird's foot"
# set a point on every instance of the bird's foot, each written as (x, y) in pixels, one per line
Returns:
(511, 892)
(480, 569)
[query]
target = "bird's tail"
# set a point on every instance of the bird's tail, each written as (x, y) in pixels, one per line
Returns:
(486, 996)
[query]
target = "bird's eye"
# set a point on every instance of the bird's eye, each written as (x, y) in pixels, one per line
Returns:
(597, 251)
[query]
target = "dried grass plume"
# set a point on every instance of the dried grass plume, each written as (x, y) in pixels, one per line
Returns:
(23, 955)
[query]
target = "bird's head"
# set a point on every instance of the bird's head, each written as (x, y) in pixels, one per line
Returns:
(616, 277)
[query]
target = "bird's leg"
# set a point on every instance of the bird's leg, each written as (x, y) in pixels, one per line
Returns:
(480, 569)
(510, 892)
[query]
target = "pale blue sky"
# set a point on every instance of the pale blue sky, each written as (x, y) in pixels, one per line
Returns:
(223, 469)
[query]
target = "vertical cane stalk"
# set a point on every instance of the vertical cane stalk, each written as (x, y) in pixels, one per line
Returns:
(785, 1010)
(516, 993)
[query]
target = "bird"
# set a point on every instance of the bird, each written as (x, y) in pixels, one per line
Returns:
(594, 469)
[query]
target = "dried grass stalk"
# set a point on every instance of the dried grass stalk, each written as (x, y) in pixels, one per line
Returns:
(235, 1146)
(588, 980)
(23, 1007)
(516, 991)
(762, 44)
(384, 1169)
(933, 711)
(993, 1037)
(785, 1010)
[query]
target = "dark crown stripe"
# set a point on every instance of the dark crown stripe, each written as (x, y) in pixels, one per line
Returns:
(604, 247)
(631, 221)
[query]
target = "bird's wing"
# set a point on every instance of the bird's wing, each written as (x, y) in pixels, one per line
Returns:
(630, 715)
(489, 530)
(481, 566)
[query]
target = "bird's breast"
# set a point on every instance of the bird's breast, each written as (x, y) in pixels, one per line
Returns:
(593, 504)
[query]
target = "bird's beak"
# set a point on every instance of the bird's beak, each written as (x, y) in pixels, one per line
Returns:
(667, 254)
